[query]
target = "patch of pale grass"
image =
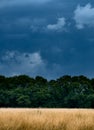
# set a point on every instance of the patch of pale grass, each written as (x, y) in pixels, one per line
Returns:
(46, 119)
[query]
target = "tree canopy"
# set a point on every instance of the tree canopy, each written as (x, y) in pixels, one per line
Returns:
(64, 92)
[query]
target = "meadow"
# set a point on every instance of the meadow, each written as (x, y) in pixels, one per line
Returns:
(46, 119)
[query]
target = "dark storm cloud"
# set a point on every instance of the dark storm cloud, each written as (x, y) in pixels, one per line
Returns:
(50, 37)
(6, 3)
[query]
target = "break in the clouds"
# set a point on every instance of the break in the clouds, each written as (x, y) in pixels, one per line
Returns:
(84, 16)
(58, 26)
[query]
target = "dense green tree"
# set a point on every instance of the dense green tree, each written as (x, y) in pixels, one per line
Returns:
(66, 91)
(23, 101)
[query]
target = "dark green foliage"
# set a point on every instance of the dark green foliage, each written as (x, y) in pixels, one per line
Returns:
(66, 91)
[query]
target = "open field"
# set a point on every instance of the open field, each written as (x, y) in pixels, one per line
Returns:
(46, 119)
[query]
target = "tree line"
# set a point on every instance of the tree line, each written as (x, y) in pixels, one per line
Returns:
(64, 92)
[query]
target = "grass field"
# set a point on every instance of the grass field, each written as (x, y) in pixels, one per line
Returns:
(46, 119)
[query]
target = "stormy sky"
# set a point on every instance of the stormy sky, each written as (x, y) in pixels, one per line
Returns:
(50, 38)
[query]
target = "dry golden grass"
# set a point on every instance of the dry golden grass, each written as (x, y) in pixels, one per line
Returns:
(46, 119)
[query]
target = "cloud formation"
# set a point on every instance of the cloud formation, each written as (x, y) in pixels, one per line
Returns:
(32, 64)
(14, 62)
(84, 16)
(58, 26)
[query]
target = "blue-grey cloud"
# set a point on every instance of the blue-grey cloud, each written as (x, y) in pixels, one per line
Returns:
(9, 3)
(84, 16)
(46, 29)
(58, 26)
(14, 62)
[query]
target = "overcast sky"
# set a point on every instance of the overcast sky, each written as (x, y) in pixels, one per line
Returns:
(50, 38)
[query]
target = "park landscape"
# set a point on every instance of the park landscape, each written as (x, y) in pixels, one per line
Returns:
(28, 103)
(38, 104)
(46, 119)
(46, 65)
